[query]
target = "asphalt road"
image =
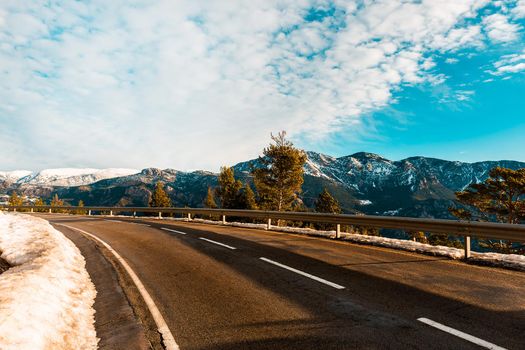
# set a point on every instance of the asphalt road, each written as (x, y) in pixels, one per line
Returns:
(221, 287)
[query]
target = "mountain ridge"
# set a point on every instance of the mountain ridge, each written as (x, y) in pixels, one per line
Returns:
(363, 182)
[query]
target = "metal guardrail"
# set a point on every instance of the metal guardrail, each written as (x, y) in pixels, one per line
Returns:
(467, 229)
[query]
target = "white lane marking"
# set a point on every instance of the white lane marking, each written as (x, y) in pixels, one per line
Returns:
(112, 220)
(315, 278)
(218, 243)
(169, 229)
(460, 334)
(167, 337)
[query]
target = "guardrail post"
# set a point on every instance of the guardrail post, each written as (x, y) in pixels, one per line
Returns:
(111, 213)
(134, 214)
(14, 209)
(89, 212)
(189, 216)
(467, 247)
(269, 225)
(338, 231)
(160, 215)
(31, 210)
(224, 219)
(49, 210)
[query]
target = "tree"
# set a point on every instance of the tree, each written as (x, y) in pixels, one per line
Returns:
(209, 202)
(500, 197)
(15, 200)
(229, 188)
(159, 198)
(248, 198)
(279, 180)
(80, 205)
(39, 202)
(57, 202)
(327, 204)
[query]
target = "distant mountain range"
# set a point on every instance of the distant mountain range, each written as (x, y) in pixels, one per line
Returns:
(362, 182)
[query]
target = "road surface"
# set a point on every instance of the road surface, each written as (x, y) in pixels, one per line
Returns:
(221, 287)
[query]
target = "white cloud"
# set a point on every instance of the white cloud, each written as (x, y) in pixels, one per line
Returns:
(197, 84)
(499, 29)
(509, 64)
(519, 10)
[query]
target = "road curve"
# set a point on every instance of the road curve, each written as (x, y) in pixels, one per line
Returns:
(221, 287)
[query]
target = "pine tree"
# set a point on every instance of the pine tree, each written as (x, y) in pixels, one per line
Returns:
(57, 202)
(15, 200)
(279, 181)
(159, 198)
(248, 199)
(39, 202)
(209, 202)
(500, 197)
(326, 203)
(80, 205)
(229, 188)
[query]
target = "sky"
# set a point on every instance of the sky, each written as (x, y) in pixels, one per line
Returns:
(200, 84)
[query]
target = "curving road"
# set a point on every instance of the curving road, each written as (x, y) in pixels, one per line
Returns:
(221, 287)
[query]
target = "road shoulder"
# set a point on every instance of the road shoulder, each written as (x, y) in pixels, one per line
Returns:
(122, 320)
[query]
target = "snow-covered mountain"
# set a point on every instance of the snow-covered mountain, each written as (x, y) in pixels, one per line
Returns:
(364, 182)
(13, 176)
(64, 176)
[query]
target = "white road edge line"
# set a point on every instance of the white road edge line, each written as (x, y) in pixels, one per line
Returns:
(167, 337)
(460, 334)
(218, 243)
(315, 278)
(171, 230)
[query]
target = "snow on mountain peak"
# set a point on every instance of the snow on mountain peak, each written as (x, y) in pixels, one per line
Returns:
(73, 176)
(13, 176)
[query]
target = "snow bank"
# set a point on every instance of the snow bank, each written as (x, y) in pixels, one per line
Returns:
(495, 259)
(46, 299)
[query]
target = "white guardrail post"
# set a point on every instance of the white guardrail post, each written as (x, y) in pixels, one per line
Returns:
(269, 224)
(467, 247)
(224, 219)
(160, 215)
(338, 231)
(189, 216)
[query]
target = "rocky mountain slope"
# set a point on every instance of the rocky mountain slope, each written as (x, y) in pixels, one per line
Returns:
(364, 182)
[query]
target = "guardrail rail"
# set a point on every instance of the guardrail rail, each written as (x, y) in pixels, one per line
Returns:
(466, 229)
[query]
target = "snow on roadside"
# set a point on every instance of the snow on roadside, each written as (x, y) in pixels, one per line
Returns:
(513, 261)
(46, 298)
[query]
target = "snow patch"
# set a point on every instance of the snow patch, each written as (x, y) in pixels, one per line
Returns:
(513, 261)
(73, 176)
(47, 297)
(13, 176)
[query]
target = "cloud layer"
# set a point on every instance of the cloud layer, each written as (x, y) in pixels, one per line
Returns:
(197, 84)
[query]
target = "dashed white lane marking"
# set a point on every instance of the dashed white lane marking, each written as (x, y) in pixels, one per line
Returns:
(460, 334)
(171, 230)
(167, 337)
(218, 243)
(112, 220)
(315, 278)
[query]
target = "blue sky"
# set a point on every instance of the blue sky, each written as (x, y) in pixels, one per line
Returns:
(199, 84)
